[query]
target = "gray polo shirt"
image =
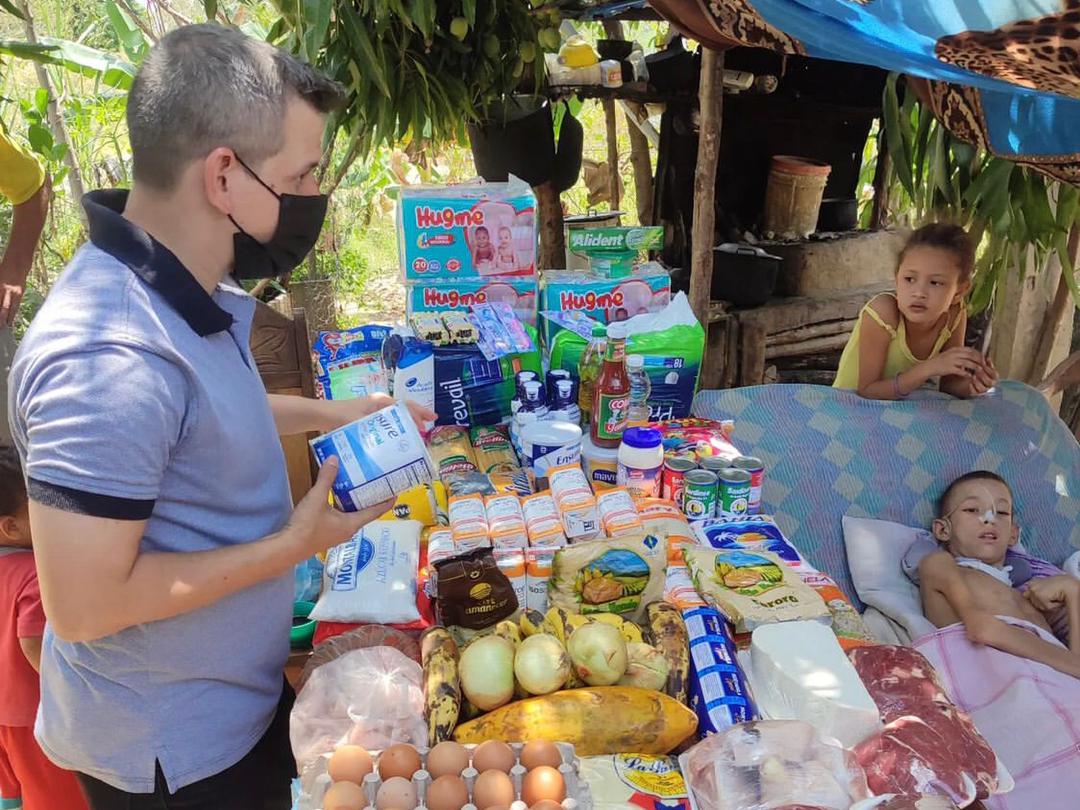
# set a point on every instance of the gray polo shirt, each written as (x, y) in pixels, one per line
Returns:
(134, 396)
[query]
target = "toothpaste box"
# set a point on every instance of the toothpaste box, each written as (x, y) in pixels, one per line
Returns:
(380, 456)
(603, 299)
(464, 293)
(467, 231)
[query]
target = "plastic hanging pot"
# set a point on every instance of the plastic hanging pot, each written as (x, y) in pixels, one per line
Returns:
(517, 138)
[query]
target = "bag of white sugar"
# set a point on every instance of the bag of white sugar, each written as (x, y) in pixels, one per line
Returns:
(371, 579)
(380, 456)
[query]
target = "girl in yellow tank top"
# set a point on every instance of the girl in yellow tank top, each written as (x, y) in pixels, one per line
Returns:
(905, 339)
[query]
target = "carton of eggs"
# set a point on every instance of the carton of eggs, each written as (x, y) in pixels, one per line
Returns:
(494, 775)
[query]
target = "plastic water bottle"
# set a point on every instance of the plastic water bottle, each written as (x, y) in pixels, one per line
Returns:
(640, 388)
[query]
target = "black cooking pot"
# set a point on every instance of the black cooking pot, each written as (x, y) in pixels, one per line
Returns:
(838, 215)
(743, 274)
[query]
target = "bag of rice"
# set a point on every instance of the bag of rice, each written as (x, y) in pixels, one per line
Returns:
(616, 575)
(371, 579)
(753, 588)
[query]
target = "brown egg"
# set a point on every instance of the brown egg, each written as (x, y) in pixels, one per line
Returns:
(498, 807)
(493, 788)
(540, 752)
(543, 782)
(493, 756)
(447, 793)
(399, 760)
(546, 804)
(344, 796)
(350, 763)
(447, 759)
(396, 793)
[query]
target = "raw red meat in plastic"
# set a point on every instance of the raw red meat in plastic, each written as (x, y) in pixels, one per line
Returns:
(928, 745)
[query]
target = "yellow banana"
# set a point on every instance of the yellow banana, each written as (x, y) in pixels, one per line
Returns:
(508, 630)
(531, 623)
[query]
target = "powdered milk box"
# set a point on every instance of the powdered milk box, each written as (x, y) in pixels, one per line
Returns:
(606, 300)
(461, 294)
(379, 456)
(467, 231)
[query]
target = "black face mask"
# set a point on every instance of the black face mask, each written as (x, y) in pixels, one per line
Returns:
(300, 220)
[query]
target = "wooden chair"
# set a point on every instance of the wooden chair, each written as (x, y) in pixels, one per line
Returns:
(283, 356)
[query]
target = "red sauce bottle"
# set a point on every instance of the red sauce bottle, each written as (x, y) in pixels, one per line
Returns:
(611, 402)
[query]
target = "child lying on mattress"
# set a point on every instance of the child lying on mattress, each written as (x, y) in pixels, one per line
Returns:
(967, 581)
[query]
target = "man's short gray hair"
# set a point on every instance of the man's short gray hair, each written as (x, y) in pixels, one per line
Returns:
(205, 86)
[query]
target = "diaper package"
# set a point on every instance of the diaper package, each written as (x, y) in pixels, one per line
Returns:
(471, 390)
(467, 231)
(348, 363)
(672, 343)
(647, 289)
(461, 294)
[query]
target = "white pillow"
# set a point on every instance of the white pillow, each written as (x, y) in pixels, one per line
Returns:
(874, 551)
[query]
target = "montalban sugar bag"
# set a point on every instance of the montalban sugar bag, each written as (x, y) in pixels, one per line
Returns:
(371, 578)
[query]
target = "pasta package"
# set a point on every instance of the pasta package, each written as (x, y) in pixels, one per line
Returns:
(493, 450)
(451, 450)
(665, 519)
(620, 575)
(753, 588)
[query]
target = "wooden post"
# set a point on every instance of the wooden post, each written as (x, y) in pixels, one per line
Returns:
(640, 160)
(611, 125)
(552, 253)
(711, 104)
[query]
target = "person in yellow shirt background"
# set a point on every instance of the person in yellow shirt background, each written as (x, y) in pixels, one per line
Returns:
(25, 185)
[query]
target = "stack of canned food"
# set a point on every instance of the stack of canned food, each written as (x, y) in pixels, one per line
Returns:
(712, 486)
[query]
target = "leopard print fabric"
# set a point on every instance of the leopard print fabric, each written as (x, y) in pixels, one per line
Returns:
(739, 21)
(959, 107)
(1041, 53)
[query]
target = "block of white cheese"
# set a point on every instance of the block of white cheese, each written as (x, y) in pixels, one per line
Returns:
(799, 672)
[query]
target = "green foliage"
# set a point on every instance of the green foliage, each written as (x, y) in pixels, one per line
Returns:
(82, 59)
(1016, 215)
(417, 69)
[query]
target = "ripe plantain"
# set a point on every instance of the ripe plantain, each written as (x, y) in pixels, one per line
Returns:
(670, 637)
(442, 689)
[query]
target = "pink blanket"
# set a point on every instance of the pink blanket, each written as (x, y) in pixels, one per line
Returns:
(1029, 713)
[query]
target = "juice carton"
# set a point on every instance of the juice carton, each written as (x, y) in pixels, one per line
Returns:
(467, 231)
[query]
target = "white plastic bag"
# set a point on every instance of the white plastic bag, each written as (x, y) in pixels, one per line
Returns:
(371, 579)
(372, 697)
(770, 764)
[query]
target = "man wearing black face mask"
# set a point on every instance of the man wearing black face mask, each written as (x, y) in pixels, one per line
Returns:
(159, 504)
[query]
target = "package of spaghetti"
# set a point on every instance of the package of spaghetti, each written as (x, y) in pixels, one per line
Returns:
(493, 451)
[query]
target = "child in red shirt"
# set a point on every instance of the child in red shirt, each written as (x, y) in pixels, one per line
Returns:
(25, 772)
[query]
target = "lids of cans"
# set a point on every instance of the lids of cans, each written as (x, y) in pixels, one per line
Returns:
(733, 475)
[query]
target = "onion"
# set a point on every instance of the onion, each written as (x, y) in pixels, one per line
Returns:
(541, 664)
(486, 671)
(646, 667)
(598, 652)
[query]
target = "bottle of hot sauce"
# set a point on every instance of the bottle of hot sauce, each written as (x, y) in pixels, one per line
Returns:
(611, 402)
